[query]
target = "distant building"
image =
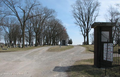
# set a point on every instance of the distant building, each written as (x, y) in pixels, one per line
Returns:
(1, 44)
(64, 42)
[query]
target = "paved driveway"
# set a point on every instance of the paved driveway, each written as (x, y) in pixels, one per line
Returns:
(39, 63)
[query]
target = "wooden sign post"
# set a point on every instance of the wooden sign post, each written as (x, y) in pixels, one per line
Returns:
(103, 44)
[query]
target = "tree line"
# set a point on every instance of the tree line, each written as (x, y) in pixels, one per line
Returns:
(26, 20)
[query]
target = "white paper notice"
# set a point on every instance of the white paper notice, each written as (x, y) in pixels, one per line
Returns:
(108, 52)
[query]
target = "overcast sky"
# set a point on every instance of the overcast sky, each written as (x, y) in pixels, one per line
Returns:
(64, 13)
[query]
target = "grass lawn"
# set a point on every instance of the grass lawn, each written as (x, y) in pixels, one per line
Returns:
(85, 68)
(89, 48)
(116, 49)
(58, 48)
(18, 49)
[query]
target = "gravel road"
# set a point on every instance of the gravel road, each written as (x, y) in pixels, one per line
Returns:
(39, 62)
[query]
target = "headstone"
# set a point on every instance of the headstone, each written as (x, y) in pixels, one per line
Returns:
(20, 45)
(13, 45)
(32, 44)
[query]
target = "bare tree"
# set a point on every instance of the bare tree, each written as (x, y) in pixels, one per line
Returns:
(12, 30)
(21, 11)
(8, 29)
(1, 32)
(15, 33)
(2, 15)
(39, 22)
(113, 16)
(6, 38)
(29, 32)
(85, 13)
(55, 32)
(32, 21)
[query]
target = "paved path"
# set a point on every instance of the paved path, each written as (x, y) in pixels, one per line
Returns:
(39, 63)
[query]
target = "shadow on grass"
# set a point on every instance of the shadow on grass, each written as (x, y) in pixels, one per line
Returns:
(115, 52)
(91, 50)
(89, 70)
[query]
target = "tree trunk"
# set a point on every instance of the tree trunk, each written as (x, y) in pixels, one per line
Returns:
(29, 41)
(50, 40)
(53, 41)
(10, 42)
(14, 41)
(20, 39)
(36, 39)
(87, 37)
(23, 35)
(29, 38)
(84, 40)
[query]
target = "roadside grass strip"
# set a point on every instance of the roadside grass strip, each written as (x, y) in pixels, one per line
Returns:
(59, 48)
(5, 49)
(89, 48)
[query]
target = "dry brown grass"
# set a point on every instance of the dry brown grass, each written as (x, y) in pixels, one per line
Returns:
(59, 48)
(17, 49)
(89, 48)
(85, 68)
(116, 49)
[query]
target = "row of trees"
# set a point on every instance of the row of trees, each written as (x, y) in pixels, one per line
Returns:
(85, 13)
(26, 20)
